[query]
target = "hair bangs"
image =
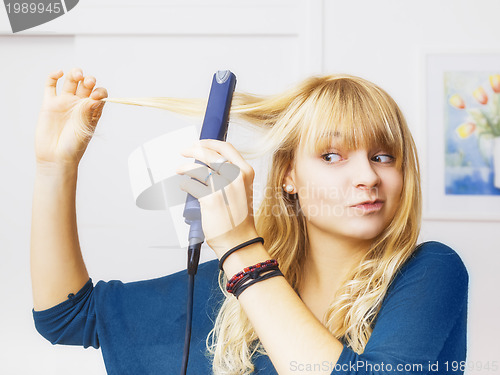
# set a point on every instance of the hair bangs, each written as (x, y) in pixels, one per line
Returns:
(351, 116)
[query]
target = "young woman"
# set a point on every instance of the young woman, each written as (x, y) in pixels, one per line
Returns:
(352, 293)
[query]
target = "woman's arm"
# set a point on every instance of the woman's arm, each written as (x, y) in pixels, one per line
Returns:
(288, 330)
(64, 129)
(57, 266)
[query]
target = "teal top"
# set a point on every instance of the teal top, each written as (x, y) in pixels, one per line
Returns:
(420, 329)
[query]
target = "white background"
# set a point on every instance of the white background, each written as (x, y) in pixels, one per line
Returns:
(172, 48)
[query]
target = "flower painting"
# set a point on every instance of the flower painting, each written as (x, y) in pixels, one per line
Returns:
(472, 132)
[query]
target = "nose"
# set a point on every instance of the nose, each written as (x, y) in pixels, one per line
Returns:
(364, 174)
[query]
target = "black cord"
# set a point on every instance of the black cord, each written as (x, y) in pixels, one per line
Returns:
(189, 320)
(192, 268)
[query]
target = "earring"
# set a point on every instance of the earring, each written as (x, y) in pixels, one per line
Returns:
(288, 188)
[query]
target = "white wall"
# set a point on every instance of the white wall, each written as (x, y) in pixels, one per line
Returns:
(171, 48)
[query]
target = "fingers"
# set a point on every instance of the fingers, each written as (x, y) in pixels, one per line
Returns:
(75, 84)
(85, 87)
(51, 83)
(221, 165)
(194, 170)
(217, 172)
(99, 93)
(196, 189)
(209, 150)
(209, 177)
(72, 80)
(223, 189)
(201, 182)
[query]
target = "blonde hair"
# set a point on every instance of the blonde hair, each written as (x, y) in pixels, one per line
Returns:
(361, 114)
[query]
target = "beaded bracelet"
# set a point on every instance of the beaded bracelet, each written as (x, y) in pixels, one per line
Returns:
(251, 275)
(248, 270)
(229, 252)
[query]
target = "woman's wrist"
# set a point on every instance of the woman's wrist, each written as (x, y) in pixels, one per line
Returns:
(56, 169)
(244, 257)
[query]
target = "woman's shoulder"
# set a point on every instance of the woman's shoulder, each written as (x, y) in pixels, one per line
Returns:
(433, 265)
(436, 255)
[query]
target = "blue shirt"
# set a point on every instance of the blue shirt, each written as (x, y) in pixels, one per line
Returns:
(420, 329)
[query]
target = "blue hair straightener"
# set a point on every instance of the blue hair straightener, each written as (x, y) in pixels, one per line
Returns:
(215, 126)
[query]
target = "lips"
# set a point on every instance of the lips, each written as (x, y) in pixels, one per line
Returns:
(368, 202)
(369, 206)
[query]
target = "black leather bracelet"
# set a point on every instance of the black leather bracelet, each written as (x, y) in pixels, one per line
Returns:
(224, 257)
(240, 288)
(252, 275)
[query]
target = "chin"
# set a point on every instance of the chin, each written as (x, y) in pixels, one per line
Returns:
(365, 232)
(356, 229)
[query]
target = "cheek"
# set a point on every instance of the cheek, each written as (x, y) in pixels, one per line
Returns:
(315, 185)
(398, 184)
(321, 195)
(394, 188)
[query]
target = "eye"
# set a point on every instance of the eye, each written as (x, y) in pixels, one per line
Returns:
(385, 159)
(334, 157)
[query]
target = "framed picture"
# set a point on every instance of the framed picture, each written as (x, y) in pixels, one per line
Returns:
(462, 136)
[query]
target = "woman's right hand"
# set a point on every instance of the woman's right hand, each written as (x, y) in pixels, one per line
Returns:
(67, 121)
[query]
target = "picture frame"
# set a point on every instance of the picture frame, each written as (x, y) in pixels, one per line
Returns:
(461, 104)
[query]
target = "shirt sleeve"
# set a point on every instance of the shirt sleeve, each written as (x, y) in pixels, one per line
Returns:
(421, 321)
(72, 322)
(138, 325)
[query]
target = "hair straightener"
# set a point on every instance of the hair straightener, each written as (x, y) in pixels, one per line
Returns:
(214, 126)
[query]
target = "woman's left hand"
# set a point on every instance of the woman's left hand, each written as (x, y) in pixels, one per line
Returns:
(225, 193)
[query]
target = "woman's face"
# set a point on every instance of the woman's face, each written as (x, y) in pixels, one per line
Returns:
(333, 185)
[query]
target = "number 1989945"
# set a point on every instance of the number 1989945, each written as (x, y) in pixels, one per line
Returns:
(33, 8)
(472, 366)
